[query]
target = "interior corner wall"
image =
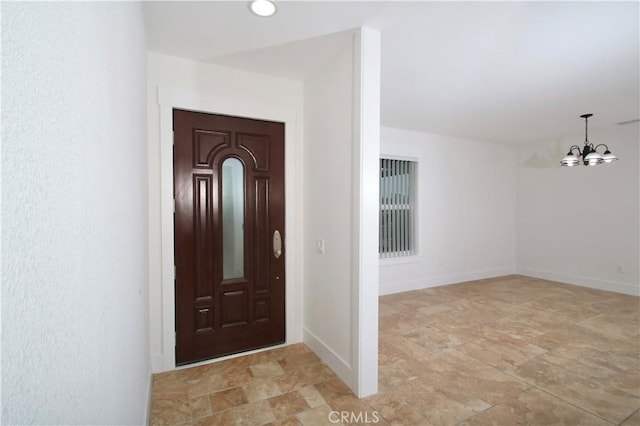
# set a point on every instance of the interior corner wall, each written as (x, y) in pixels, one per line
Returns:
(466, 210)
(74, 214)
(328, 194)
(580, 225)
(209, 81)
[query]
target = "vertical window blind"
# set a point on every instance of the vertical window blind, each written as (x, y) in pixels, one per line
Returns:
(397, 200)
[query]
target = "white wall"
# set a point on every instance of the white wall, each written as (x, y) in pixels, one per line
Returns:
(206, 85)
(74, 204)
(577, 224)
(466, 218)
(328, 194)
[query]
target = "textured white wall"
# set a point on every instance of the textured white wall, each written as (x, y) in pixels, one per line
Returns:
(579, 224)
(226, 86)
(74, 211)
(328, 192)
(466, 217)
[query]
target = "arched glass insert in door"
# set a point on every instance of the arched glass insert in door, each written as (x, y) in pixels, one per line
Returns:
(232, 218)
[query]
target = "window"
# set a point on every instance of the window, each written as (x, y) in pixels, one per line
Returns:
(397, 208)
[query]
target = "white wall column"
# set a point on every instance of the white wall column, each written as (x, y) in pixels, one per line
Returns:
(341, 157)
(366, 178)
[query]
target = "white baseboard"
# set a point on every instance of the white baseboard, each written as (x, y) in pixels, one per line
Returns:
(616, 287)
(333, 360)
(400, 287)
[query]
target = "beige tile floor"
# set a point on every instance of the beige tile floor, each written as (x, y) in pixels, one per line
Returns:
(505, 351)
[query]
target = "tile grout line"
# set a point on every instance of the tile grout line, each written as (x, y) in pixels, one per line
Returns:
(628, 417)
(574, 405)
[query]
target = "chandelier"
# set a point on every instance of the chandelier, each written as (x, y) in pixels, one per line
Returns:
(589, 154)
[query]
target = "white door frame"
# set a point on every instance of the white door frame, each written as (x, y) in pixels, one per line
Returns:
(172, 98)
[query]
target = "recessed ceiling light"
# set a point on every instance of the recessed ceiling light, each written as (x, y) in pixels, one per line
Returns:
(263, 7)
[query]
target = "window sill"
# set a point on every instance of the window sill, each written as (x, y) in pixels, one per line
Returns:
(400, 260)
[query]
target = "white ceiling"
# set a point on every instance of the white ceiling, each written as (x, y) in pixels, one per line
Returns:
(513, 72)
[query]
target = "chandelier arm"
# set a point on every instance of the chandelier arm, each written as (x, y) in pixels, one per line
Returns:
(575, 147)
(602, 144)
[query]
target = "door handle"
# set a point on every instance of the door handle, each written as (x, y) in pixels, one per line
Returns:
(277, 244)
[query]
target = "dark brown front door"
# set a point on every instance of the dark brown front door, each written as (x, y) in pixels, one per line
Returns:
(229, 204)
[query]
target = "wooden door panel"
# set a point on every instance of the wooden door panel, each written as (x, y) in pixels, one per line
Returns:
(217, 316)
(203, 234)
(262, 237)
(258, 148)
(206, 144)
(262, 309)
(235, 307)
